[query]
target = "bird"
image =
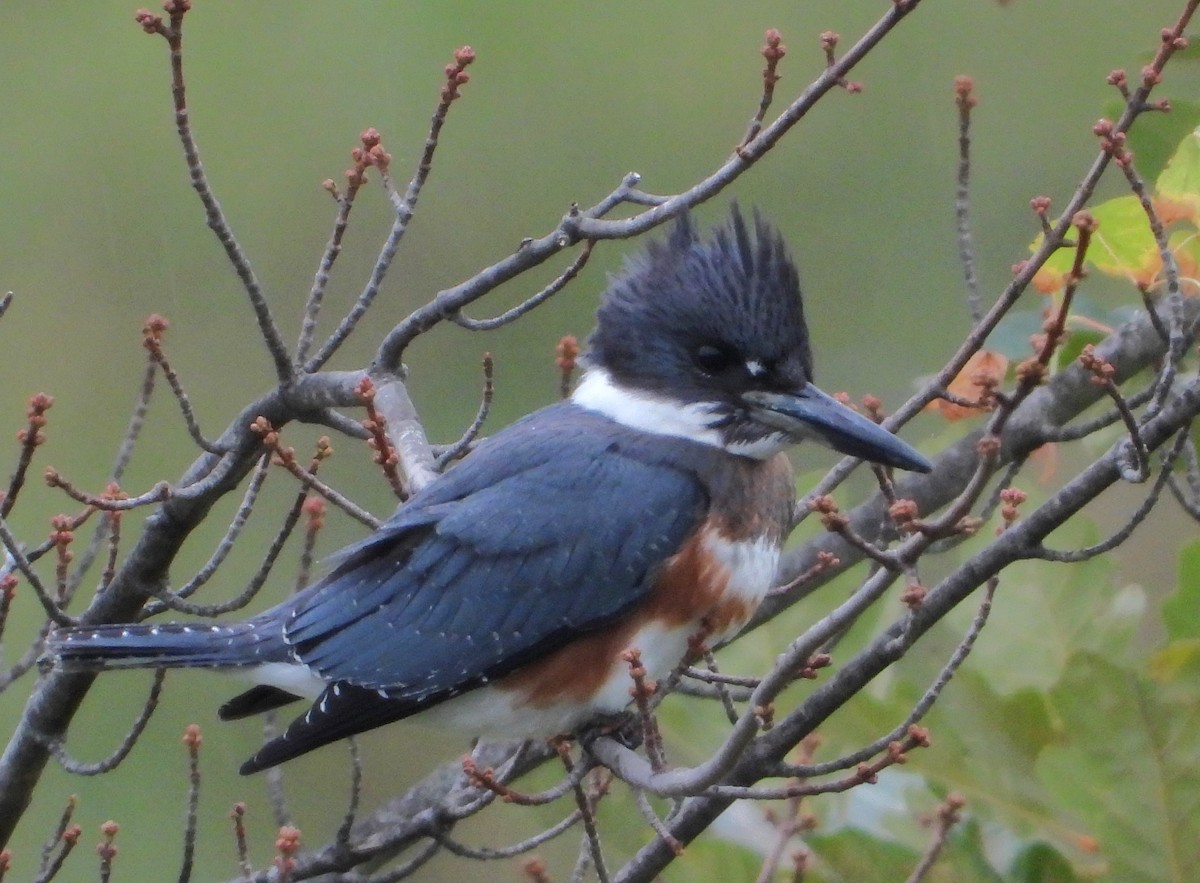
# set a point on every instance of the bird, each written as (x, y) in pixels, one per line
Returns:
(647, 510)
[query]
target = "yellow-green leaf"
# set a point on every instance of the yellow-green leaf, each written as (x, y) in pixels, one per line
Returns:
(1123, 244)
(1180, 180)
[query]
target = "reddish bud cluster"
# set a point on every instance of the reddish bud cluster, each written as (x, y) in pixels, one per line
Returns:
(987, 446)
(831, 517)
(1117, 78)
(765, 715)
(150, 22)
(815, 663)
(1040, 205)
(1084, 221)
(904, 511)
(566, 353)
(105, 849)
(1011, 498)
(801, 857)
(773, 51)
(969, 525)
(1031, 372)
(287, 844)
(370, 153)
(71, 835)
(155, 327)
(536, 870)
(1112, 142)
(918, 736)
(8, 586)
(824, 505)
(39, 404)
(456, 74)
(192, 738)
(314, 508)
(113, 493)
(1102, 370)
(964, 95)
(62, 534)
(867, 776)
(643, 688)
(262, 427)
(324, 449)
(950, 809)
(913, 595)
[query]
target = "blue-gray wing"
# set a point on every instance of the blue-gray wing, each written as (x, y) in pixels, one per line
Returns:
(535, 538)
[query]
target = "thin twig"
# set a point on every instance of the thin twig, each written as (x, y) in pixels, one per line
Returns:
(966, 101)
(559, 283)
(192, 740)
(152, 337)
(484, 853)
(948, 815)
(214, 214)
(59, 837)
(460, 447)
(773, 51)
(238, 815)
(343, 833)
(456, 76)
(1136, 518)
(17, 557)
(31, 438)
(225, 546)
(333, 248)
(68, 763)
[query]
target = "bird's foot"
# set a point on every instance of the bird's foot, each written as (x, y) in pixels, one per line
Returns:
(624, 726)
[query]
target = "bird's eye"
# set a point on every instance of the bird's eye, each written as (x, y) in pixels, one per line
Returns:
(714, 359)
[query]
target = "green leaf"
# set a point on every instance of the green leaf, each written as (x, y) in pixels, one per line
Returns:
(1180, 181)
(716, 860)
(1043, 615)
(852, 855)
(1181, 612)
(1123, 244)
(1156, 136)
(1131, 768)
(1041, 863)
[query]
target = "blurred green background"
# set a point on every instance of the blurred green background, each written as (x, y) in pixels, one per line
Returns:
(98, 228)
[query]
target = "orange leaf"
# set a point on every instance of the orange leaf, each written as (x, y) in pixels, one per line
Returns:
(982, 373)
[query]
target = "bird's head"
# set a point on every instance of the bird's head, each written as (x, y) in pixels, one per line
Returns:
(706, 339)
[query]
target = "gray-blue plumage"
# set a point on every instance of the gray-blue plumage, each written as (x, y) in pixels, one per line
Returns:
(526, 544)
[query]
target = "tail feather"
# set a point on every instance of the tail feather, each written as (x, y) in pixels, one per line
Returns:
(166, 645)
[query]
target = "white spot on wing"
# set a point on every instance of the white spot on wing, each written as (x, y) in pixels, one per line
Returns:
(292, 677)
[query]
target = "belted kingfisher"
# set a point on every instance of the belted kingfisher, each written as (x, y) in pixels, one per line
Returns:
(646, 510)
